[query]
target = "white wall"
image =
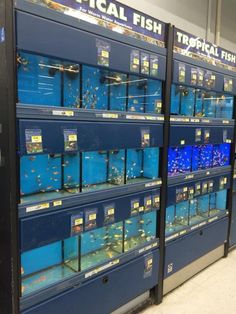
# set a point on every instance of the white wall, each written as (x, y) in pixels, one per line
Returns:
(191, 16)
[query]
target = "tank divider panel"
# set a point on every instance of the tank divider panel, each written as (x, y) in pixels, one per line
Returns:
(201, 64)
(188, 230)
(57, 225)
(22, 5)
(198, 175)
(68, 114)
(43, 39)
(45, 206)
(104, 136)
(79, 280)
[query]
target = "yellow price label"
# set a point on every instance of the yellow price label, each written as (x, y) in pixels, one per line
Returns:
(191, 191)
(185, 189)
(155, 66)
(225, 180)
(141, 209)
(149, 202)
(136, 61)
(157, 199)
(136, 205)
(111, 211)
(92, 217)
(182, 142)
(199, 133)
(146, 63)
(182, 73)
(57, 203)
(105, 54)
(146, 136)
(205, 186)
(194, 76)
(36, 139)
(72, 137)
(79, 221)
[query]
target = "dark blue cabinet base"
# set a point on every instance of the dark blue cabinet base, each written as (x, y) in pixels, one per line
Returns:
(107, 292)
(190, 254)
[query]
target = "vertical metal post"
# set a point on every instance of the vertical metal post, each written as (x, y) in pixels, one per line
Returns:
(230, 192)
(208, 21)
(9, 261)
(218, 22)
(157, 292)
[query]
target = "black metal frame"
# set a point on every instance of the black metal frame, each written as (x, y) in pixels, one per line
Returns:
(9, 259)
(230, 192)
(157, 292)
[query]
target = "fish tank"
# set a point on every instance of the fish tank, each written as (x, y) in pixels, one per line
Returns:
(142, 164)
(218, 203)
(170, 220)
(83, 251)
(221, 155)
(188, 101)
(49, 81)
(139, 230)
(49, 176)
(100, 245)
(177, 217)
(38, 272)
(202, 157)
(43, 176)
(179, 160)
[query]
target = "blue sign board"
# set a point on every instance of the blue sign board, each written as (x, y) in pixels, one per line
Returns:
(112, 15)
(198, 48)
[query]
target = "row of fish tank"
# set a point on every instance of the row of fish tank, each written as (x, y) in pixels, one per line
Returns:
(188, 101)
(54, 82)
(191, 212)
(199, 157)
(78, 253)
(51, 176)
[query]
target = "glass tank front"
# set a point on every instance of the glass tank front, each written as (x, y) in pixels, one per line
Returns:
(193, 211)
(44, 266)
(43, 177)
(54, 82)
(188, 101)
(66, 258)
(198, 157)
(140, 230)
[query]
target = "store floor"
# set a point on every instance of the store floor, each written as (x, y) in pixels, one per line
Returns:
(213, 291)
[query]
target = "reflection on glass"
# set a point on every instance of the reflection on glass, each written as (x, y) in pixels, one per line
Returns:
(48, 265)
(53, 82)
(101, 244)
(139, 230)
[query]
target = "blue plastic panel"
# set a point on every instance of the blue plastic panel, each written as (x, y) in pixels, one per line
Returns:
(103, 136)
